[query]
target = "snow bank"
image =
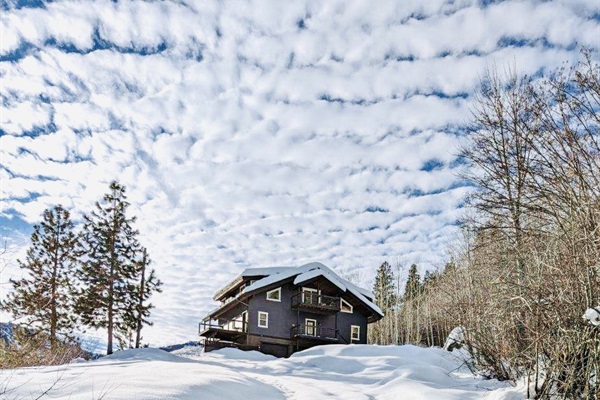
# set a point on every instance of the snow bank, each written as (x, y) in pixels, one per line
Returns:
(324, 372)
(189, 351)
(144, 355)
(455, 339)
(593, 315)
(236, 354)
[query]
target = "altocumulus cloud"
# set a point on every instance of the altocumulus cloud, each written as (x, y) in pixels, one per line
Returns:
(258, 133)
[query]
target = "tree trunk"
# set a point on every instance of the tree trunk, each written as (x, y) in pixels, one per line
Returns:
(111, 283)
(109, 348)
(53, 315)
(54, 284)
(138, 328)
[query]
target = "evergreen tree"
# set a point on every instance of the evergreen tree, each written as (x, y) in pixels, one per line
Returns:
(109, 269)
(148, 284)
(44, 297)
(429, 279)
(413, 284)
(384, 288)
(137, 311)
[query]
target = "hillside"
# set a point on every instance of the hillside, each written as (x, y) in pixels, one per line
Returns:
(324, 372)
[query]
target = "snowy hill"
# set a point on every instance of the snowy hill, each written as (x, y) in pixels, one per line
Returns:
(324, 372)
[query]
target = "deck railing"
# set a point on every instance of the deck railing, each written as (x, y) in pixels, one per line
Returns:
(315, 332)
(308, 299)
(229, 326)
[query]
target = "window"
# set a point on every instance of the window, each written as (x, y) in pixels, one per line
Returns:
(345, 306)
(310, 296)
(354, 332)
(310, 327)
(263, 319)
(274, 295)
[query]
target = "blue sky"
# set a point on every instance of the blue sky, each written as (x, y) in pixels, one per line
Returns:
(258, 133)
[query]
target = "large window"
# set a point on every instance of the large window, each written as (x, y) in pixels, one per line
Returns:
(310, 296)
(274, 295)
(263, 319)
(345, 306)
(354, 332)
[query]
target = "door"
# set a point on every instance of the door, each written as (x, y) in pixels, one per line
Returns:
(310, 327)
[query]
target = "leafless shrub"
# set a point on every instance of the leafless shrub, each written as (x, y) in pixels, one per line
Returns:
(28, 348)
(530, 267)
(529, 263)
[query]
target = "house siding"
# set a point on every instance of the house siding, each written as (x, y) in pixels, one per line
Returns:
(344, 322)
(282, 317)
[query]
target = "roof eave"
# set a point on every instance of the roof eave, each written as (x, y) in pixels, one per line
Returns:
(228, 288)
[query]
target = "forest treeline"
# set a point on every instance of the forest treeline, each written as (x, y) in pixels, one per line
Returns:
(96, 275)
(528, 266)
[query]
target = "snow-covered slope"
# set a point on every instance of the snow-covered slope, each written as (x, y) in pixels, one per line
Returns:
(324, 372)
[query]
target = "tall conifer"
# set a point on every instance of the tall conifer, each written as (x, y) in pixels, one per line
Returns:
(384, 288)
(136, 313)
(413, 283)
(147, 285)
(108, 269)
(44, 297)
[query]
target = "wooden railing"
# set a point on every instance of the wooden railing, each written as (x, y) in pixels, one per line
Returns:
(316, 301)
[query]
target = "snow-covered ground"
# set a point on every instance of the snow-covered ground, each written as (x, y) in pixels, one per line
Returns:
(324, 372)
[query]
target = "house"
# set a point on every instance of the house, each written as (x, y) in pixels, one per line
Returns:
(285, 309)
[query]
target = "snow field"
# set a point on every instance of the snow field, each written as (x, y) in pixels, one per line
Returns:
(324, 372)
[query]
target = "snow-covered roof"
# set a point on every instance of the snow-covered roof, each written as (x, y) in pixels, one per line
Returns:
(247, 273)
(305, 273)
(264, 271)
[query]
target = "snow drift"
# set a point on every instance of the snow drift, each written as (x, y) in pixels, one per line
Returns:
(323, 372)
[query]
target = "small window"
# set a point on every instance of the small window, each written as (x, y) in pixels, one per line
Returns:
(274, 295)
(354, 332)
(263, 319)
(345, 306)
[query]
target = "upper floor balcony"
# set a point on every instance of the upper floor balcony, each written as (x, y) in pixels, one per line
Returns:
(313, 301)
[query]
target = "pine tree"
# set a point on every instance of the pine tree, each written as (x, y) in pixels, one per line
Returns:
(429, 279)
(109, 269)
(148, 284)
(413, 284)
(44, 297)
(385, 287)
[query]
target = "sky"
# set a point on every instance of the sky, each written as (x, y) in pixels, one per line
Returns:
(258, 133)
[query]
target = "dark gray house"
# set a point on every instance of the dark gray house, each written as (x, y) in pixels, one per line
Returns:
(285, 309)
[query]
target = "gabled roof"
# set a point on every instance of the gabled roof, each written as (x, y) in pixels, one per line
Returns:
(305, 273)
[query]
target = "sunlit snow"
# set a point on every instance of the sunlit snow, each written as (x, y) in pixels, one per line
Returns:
(323, 372)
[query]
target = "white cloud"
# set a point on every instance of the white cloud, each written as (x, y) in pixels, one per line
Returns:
(260, 133)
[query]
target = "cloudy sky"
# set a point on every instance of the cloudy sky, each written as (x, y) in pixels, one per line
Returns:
(258, 133)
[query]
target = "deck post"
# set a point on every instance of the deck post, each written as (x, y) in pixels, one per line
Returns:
(336, 324)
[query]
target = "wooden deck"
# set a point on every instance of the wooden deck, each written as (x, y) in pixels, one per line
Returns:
(223, 332)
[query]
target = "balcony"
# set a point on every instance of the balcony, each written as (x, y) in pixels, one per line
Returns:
(317, 333)
(231, 330)
(316, 303)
